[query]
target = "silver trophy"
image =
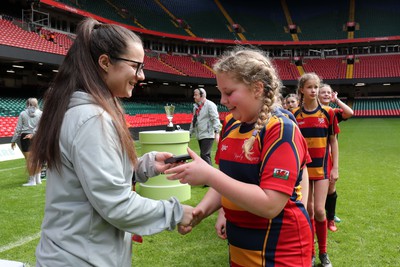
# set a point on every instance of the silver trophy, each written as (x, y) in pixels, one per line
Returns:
(170, 114)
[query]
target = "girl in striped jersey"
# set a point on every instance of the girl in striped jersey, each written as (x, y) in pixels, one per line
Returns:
(261, 156)
(326, 96)
(319, 126)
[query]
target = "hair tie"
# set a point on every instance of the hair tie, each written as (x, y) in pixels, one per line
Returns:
(254, 133)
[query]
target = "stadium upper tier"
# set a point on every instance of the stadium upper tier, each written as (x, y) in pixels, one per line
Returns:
(13, 35)
(287, 20)
(371, 66)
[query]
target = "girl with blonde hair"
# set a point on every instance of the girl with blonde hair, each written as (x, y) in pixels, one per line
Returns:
(319, 126)
(261, 155)
(326, 96)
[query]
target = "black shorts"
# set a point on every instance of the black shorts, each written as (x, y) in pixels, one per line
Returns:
(25, 143)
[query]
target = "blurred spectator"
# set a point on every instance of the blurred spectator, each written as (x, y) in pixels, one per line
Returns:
(25, 129)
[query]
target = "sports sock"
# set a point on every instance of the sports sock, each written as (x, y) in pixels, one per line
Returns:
(330, 205)
(312, 236)
(322, 235)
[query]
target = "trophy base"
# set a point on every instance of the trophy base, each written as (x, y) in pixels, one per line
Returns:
(170, 129)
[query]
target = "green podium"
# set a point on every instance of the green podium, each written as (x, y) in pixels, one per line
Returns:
(159, 187)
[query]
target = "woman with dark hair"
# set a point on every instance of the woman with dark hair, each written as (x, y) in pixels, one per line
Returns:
(90, 208)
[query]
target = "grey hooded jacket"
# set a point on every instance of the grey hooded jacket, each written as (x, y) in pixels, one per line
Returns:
(90, 208)
(27, 122)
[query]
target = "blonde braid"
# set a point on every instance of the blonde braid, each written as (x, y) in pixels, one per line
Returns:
(272, 87)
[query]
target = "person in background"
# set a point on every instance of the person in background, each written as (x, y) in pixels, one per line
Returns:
(90, 209)
(291, 101)
(206, 124)
(282, 101)
(52, 37)
(319, 126)
(24, 131)
(261, 156)
(344, 112)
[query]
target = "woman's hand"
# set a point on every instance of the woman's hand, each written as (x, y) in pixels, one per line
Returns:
(28, 136)
(187, 217)
(197, 172)
(197, 217)
(160, 164)
(159, 161)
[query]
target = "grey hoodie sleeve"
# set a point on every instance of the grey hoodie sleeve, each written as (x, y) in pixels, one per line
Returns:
(145, 167)
(101, 167)
(18, 128)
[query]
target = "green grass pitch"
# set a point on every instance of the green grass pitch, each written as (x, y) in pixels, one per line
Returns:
(368, 204)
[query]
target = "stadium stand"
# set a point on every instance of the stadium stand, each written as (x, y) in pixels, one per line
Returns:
(258, 24)
(377, 66)
(187, 65)
(137, 114)
(154, 64)
(203, 17)
(367, 66)
(150, 15)
(211, 19)
(377, 19)
(206, 19)
(12, 35)
(322, 21)
(146, 114)
(287, 70)
(61, 39)
(376, 107)
(9, 112)
(328, 68)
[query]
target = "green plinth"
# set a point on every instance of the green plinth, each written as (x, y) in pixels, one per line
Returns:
(159, 187)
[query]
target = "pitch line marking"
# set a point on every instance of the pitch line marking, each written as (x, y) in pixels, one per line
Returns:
(10, 169)
(20, 242)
